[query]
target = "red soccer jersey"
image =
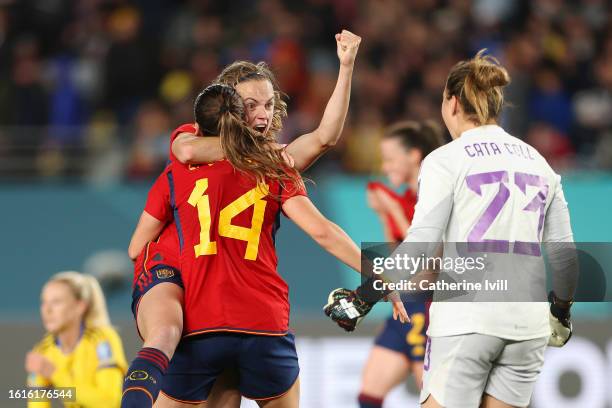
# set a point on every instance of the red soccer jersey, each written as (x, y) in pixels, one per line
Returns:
(407, 201)
(226, 226)
(184, 128)
(158, 202)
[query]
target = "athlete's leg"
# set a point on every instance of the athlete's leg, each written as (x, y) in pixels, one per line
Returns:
(163, 401)
(159, 318)
(290, 399)
(492, 402)
(224, 393)
(431, 402)
(384, 370)
(416, 368)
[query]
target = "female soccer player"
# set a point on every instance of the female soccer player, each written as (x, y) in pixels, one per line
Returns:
(81, 349)
(236, 304)
(158, 307)
(489, 192)
(399, 348)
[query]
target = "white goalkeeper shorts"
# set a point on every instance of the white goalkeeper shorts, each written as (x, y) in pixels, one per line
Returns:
(458, 370)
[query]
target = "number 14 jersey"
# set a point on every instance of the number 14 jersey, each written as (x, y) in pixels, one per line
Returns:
(226, 226)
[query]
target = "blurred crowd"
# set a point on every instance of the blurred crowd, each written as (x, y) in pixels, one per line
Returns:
(93, 87)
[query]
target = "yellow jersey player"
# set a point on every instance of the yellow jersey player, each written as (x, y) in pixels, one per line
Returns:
(81, 355)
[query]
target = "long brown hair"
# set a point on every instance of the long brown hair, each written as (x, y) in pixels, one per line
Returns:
(242, 71)
(219, 110)
(478, 83)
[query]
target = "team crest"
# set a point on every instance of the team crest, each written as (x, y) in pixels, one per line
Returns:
(138, 375)
(104, 352)
(165, 273)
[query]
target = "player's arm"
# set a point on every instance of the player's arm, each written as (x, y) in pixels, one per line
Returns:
(157, 213)
(38, 381)
(191, 149)
(147, 230)
(376, 206)
(392, 207)
(325, 233)
(307, 148)
(558, 242)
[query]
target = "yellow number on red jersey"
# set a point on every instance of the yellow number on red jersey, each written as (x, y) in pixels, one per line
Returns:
(254, 197)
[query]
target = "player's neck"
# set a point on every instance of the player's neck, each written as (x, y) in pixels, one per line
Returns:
(413, 181)
(69, 337)
(465, 125)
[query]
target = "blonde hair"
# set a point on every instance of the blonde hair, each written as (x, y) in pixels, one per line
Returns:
(243, 71)
(87, 289)
(477, 83)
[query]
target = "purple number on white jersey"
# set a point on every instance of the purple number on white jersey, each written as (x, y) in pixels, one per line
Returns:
(476, 243)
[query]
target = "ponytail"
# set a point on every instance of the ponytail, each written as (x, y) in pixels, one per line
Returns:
(478, 84)
(87, 289)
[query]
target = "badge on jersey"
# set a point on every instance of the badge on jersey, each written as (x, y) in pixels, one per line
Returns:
(104, 352)
(165, 273)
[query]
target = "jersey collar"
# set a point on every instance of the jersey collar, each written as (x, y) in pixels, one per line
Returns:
(482, 130)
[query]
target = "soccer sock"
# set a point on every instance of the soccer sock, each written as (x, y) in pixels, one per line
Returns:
(143, 380)
(367, 401)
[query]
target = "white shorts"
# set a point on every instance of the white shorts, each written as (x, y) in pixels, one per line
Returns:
(458, 370)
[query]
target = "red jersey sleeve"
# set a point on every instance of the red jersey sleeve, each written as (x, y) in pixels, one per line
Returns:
(185, 128)
(289, 190)
(158, 200)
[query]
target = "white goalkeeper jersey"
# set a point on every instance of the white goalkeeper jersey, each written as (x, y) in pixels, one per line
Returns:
(490, 190)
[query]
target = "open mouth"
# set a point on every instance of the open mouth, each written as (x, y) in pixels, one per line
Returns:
(260, 128)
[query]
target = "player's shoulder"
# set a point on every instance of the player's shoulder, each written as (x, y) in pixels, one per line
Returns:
(442, 156)
(96, 335)
(184, 128)
(46, 344)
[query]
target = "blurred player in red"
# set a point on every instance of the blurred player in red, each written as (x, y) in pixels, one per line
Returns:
(236, 304)
(399, 349)
(158, 308)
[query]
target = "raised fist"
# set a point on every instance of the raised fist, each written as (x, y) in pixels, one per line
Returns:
(347, 44)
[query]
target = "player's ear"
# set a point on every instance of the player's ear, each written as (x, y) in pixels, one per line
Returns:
(81, 308)
(454, 104)
(197, 129)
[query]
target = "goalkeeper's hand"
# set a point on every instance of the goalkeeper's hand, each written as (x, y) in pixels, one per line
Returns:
(347, 309)
(560, 324)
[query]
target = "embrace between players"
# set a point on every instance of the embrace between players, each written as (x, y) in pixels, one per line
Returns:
(205, 245)
(207, 295)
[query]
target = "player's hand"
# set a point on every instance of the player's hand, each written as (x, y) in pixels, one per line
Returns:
(399, 311)
(346, 308)
(373, 201)
(560, 324)
(39, 364)
(387, 202)
(347, 45)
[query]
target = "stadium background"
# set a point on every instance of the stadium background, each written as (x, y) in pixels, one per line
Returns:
(90, 89)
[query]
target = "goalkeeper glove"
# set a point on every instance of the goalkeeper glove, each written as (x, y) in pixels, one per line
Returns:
(346, 308)
(560, 324)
